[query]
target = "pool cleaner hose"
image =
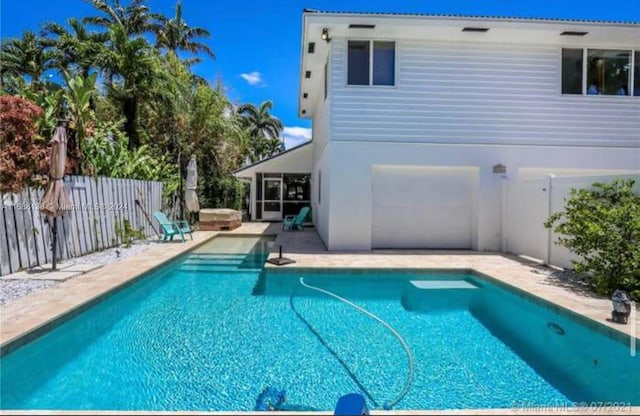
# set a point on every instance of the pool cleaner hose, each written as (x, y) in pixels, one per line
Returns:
(407, 385)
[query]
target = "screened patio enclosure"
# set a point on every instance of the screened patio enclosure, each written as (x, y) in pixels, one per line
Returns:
(281, 194)
(279, 185)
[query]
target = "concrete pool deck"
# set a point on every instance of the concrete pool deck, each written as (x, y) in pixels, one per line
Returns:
(28, 317)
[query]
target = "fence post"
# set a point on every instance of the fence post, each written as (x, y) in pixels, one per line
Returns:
(549, 242)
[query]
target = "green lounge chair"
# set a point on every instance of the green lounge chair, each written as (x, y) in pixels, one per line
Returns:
(294, 222)
(172, 228)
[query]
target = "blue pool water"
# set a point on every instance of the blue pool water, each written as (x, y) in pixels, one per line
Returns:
(213, 330)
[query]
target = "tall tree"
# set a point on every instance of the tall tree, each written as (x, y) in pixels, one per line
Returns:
(135, 18)
(264, 129)
(76, 49)
(175, 35)
(25, 56)
(128, 61)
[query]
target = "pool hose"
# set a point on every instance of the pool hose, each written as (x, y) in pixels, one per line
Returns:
(407, 385)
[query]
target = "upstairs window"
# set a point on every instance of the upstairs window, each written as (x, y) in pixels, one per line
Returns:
(599, 72)
(608, 72)
(371, 62)
(572, 71)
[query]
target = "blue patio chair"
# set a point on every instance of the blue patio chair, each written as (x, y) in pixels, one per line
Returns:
(294, 222)
(171, 228)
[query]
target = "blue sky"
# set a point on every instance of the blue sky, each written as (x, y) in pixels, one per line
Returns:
(257, 42)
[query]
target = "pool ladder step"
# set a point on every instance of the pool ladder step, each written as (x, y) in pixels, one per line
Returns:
(217, 269)
(212, 262)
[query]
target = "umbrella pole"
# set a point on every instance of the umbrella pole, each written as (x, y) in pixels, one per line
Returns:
(55, 242)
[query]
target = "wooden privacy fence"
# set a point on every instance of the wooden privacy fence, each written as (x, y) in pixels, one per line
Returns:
(101, 207)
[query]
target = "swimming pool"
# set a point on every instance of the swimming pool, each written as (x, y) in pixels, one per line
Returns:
(213, 329)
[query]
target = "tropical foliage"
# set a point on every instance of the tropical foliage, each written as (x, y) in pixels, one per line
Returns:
(23, 153)
(122, 80)
(602, 226)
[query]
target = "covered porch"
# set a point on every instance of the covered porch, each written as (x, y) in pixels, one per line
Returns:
(279, 185)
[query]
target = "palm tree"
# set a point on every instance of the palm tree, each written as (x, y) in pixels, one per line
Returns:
(263, 128)
(175, 35)
(76, 49)
(130, 62)
(135, 18)
(25, 56)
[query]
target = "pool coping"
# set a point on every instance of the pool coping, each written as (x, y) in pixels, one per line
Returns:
(48, 319)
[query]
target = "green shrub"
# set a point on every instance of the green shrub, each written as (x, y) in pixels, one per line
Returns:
(223, 192)
(602, 226)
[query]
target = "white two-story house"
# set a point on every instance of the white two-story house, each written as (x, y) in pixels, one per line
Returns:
(417, 119)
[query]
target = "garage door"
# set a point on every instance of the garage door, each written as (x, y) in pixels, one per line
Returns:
(422, 207)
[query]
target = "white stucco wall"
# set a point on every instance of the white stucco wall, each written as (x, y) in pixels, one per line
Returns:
(323, 176)
(351, 180)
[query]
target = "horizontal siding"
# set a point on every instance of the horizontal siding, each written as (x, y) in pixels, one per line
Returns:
(456, 93)
(320, 126)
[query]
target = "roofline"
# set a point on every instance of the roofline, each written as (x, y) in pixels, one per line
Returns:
(271, 157)
(325, 16)
(311, 12)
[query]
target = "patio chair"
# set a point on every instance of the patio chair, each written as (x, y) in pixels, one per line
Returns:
(172, 228)
(294, 222)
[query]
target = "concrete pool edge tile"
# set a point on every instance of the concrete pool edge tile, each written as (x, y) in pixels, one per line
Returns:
(21, 322)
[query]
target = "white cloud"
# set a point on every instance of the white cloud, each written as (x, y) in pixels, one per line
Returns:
(294, 136)
(253, 78)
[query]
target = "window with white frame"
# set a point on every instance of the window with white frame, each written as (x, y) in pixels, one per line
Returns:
(371, 62)
(600, 72)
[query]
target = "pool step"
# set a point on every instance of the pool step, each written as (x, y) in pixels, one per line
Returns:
(217, 256)
(217, 269)
(438, 295)
(212, 262)
(443, 284)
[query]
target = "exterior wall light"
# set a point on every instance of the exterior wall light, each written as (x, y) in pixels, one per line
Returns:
(499, 168)
(325, 35)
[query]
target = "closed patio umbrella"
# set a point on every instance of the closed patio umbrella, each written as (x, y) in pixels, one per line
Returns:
(56, 200)
(190, 195)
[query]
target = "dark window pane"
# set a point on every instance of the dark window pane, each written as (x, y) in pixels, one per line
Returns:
(636, 74)
(258, 186)
(608, 72)
(325, 80)
(358, 63)
(572, 71)
(296, 187)
(384, 56)
(272, 207)
(272, 190)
